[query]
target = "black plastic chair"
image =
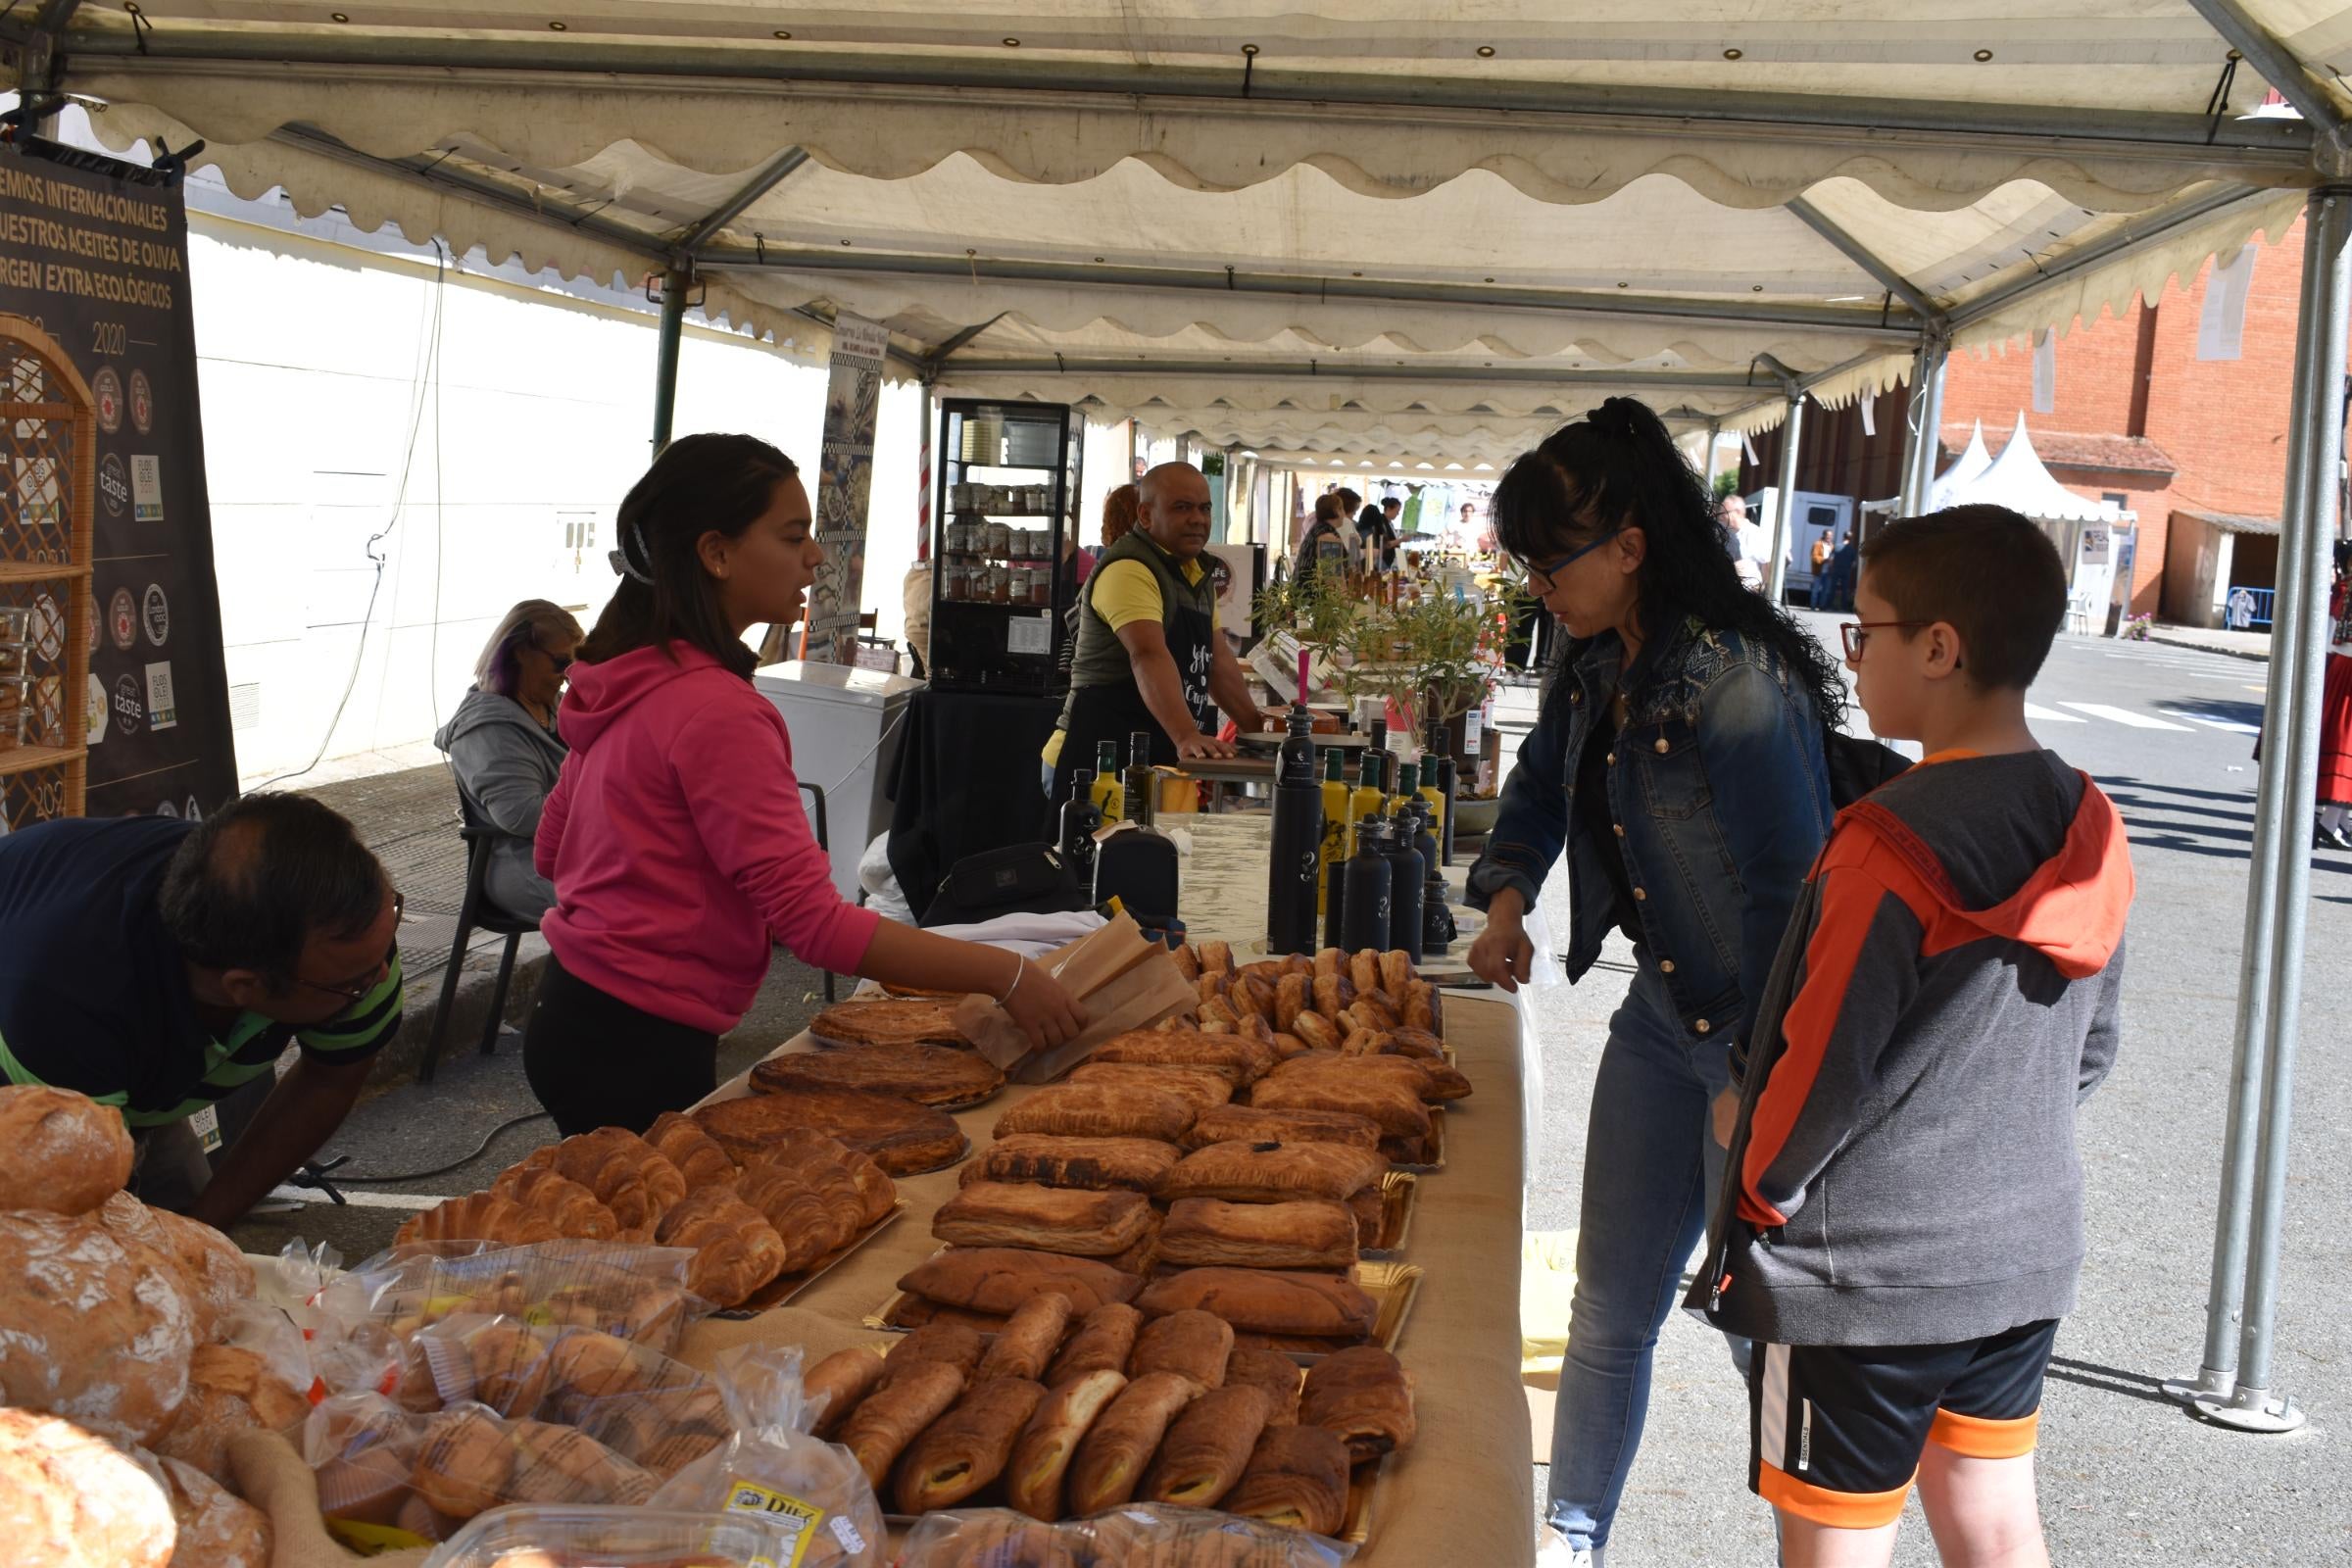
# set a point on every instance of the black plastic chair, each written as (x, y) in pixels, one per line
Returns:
(475, 912)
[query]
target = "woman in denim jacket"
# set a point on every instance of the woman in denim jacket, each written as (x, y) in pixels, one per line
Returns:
(1678, 763)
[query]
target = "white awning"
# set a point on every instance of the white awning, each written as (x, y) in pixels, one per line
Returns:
(2017, 479)
(1328, 218)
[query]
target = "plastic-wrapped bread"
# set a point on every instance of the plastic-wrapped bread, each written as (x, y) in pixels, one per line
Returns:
(97, 1330)
(572, 1210)
(736, 1250)
(463, 1462)
(478, 1217)
(1297, 1478)
(964, 1450)
(229, 1391)
(1111, 1457)
(891, 1417)
(1207, 1447)
(1041, 1459)
(71, 1499)
(66, 1152)
(561, 1466)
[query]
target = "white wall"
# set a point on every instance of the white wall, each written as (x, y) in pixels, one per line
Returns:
(317, 358)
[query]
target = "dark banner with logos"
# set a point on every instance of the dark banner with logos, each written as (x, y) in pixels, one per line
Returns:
(96, 252)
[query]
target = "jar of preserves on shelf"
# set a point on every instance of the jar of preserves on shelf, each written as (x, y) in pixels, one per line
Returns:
(953, 580)
(1041, 587)
(1016, 590)
(999, 542)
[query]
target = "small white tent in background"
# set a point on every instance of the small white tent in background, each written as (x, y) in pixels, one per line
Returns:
(1972, 460)
(2017, 479)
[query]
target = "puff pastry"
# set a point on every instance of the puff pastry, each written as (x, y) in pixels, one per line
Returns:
(1369, 1209)
(1271, 1372)
(1300, 1084)
(1202, 1088)
(1315, 1031)
(1311, 1233)
(998, 1278)
(686, 1146)
(1099, 1111)
(913, 1313)
(1110, 1458)
(1237, 1058)
(890, 1418)
(901, 1137)
(1049, 1219)
(1296, 1476)
(1207, 1447)
(1024, 1347)
(959, 1345)
(1134, 1163)
(1364, 1397)
(1256, 1124)
(946, 1077)
(1272, 1172)
(841, 1380)
(1105, 1338)
(889, 1020)
(1190, 1343)
(965, 1450)
(1041, 1458)
(1266, 1300)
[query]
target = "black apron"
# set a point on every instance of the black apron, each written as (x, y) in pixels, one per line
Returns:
(1116, 711)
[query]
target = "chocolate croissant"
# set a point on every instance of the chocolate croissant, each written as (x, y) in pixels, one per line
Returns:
(1365, 1397)
(1041, 1459)
(1192, 1344)
(841, 1380)
(1274, 1374)
(888, 1419)
(1105, 1338)
(1296, 1476)
(1026, 1343)
(1111, 1456)
(965, 1450)
(1209, 1447)
(957, 1344)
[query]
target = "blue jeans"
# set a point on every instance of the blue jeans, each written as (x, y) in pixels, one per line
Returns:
(1651, 1169)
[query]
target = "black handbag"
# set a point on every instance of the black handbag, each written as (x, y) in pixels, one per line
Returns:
(1857, 765)
(1029, 878)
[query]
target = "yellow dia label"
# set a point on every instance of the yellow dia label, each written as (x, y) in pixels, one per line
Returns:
(802, 1518)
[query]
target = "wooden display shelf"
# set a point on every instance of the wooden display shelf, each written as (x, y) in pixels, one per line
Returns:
(40, 572)
(32, 758)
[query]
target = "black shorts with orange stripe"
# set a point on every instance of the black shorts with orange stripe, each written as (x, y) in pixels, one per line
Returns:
(1837, 1431)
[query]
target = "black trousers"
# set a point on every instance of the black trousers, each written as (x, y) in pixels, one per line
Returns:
(596, 1061)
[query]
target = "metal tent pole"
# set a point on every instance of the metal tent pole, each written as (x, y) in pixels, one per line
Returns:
(1791, 429)
(675, 284)
(2327, 231)
(2217, 1373)
(1707, 468)
(1928, 399)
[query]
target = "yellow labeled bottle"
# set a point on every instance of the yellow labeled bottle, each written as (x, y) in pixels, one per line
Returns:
(1335, 826)
(1106, 793)
(1408, 786)
(1429, 792)
(1366, 798)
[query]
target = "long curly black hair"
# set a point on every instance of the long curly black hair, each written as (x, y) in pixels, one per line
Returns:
(1618, 467)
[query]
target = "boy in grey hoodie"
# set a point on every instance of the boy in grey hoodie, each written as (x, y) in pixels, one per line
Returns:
(1901, 1225)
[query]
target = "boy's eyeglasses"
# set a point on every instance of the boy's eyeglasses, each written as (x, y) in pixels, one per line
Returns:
(1548, 570)
(1856, 633)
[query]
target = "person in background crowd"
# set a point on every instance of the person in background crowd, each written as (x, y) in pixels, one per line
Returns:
(676, 840)
(1479, 541)
(1149, 658)
(1329, 543)
(2335, 711)
(1676, 683)
(1819, 596)
(914, 599)
(160, 965)
(1734, 513)
(1845, 567)
(1119, 514)
(1391, 509)
(502, 744)
(1379, 540)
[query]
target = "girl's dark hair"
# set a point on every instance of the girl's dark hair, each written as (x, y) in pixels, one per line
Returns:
(700, 484)
(1618, 467)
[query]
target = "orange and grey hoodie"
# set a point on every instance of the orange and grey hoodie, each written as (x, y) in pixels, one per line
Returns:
(1904, 1170)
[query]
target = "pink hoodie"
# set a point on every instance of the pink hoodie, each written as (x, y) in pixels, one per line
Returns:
(677, 843)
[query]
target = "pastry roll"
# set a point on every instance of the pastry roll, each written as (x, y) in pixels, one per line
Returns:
(1396, 972)
(1315, 1031)
(943, 1077)
(1231, 1056)
(998, 1278)
(841, 1380)
(1099, 1111)
(1255, 1124)
(1111, 1456)
(1202, 1088)
(888, 1419)
(1207, 1447)
(1050, 1219)
(1216, 957)
(1267, 969)
(956, 1344)
(463, 1464)
(1187, 962)
(1041, 1458)
(1105, 1340)
(1363, 968)
(1294, 994)
(1263, 1301)
(1190, 1343)
(1314, 1232)
(1273, 1172)
(1024, 1347)
(1303, 1083)
(966, 1448)
(1419, 1043)
(1272, 1373)
(913, 1313)
(1329, 961)
(1296, 1476)
(1099, 1163)
(1365, 1397)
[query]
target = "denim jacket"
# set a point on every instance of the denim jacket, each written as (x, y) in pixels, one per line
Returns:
(1721, 797)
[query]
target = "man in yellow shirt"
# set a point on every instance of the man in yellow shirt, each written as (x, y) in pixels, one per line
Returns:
(1149, 656)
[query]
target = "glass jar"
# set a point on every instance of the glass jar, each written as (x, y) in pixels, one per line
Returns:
(1041, 587)
(999, 542)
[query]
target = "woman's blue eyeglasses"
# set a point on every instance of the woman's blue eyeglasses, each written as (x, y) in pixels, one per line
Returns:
(1551, 570)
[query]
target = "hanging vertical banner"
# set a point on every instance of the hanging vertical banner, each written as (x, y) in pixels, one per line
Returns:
(853, 403)
(95, 251)
(2221, 322)
(2046, 372)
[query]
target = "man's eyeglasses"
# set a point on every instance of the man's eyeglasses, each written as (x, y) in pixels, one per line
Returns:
(1530, 572)
(356, 990)
(1856, 633)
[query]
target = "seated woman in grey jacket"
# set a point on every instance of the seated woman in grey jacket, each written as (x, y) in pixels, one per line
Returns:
(502, 744)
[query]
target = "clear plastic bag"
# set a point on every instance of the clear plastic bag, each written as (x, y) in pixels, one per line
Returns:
(615, 1538)
(771, 1466)
(636, 1293)
(1144, 1535)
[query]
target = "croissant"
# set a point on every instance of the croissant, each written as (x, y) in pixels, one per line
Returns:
(836, 1170)
(1187, 962)
(735, 1250)
(681, 1141)
(572, 1210)
(965, 1450)
(841, 1380)
(478, 1217)
(1294, 994)
(1111, 1456)
(888, 1419)
(1363, 969)
(1298, 1477)
(798, 1209)
(1209, 1447)
(627, 1174)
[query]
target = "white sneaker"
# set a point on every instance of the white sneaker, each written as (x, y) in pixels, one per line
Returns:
(1553, 1551)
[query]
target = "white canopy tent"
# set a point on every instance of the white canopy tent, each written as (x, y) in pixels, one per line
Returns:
(1421, 229)
(2019, 480)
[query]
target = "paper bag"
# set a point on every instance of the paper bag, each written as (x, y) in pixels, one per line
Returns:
(1123, 980)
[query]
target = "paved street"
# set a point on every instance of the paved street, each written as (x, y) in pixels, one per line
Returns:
(2127, 1478)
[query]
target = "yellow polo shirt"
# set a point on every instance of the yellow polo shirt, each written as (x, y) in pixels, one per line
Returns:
(1125, 591)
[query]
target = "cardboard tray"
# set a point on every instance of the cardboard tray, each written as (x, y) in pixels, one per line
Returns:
(1399, 1193)
(784, 1286)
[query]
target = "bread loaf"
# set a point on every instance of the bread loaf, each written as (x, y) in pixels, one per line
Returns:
(998, 1278)
(213, 1275)
(66, 1152)
(98, 1329)
(683, 1143)
(229, 1391)
(478, 1217)
(1050, 1219)
(71, 1499)
(735, 1250)
(214, 1529)
(1310, 1233)
(1266, 1300)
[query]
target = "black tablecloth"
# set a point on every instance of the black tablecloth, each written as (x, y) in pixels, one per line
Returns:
(966, 780)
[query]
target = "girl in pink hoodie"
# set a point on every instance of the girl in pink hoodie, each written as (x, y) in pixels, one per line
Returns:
(675, 834)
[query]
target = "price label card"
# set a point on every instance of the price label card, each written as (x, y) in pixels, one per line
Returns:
(206, 1125)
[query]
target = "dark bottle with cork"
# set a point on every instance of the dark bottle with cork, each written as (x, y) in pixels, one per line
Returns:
(1290, 877)
(1367, 917)
(1079, 823)
(1142, 786)
(1438, 769)
(1409, 873)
